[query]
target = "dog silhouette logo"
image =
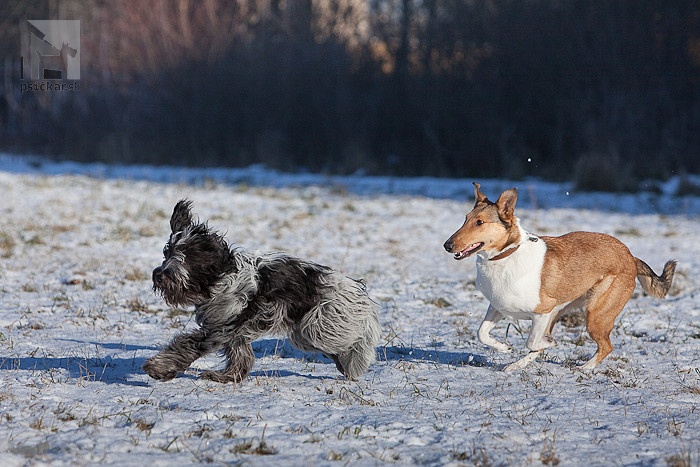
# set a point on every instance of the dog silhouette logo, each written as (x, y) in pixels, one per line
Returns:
(50, 49)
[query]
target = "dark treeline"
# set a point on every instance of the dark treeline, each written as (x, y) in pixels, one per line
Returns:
(604, 91)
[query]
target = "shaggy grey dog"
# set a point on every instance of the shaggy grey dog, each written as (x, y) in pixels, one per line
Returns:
(239, 297)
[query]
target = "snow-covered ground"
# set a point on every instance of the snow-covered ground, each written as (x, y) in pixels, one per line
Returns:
(78, 319)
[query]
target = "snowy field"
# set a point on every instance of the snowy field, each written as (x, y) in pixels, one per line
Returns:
(78, 319)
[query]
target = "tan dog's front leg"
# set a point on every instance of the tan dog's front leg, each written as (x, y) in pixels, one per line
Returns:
(523, 362)
(492, 317)
(539, 339)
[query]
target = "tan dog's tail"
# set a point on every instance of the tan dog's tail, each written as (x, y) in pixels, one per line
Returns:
(652, 284)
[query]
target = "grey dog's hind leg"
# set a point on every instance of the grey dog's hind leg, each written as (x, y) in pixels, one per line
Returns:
(338, 365)
(179, 355)
(356, 361)
(239, 362)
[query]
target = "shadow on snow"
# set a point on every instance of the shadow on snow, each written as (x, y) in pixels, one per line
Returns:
(117, 368)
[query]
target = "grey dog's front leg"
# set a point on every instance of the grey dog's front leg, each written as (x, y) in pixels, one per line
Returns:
(239, 361)
(179, 354)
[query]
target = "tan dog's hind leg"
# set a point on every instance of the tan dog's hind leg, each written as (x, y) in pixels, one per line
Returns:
(606, 301)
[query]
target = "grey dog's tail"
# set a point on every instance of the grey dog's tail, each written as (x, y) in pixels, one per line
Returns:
(652, 284)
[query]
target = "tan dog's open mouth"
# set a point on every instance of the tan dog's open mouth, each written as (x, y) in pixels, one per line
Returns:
(468, 251)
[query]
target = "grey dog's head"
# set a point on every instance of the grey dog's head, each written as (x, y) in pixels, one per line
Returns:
(195, 259)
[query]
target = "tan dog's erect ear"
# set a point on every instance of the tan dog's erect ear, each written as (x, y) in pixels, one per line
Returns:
(506, 204)
(480, 197)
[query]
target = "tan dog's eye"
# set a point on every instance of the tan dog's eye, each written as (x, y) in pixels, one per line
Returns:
(479, 222)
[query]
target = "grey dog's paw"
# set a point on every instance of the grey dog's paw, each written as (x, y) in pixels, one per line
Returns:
(221, 377)
(157, 369)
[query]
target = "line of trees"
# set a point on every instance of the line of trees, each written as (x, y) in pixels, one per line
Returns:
(553, 88)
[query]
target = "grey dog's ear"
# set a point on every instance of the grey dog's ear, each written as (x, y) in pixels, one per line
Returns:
(182, 216)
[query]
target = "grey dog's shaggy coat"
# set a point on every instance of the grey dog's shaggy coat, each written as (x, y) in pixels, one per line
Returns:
(239, 297)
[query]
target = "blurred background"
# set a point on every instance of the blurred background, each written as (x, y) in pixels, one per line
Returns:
(603, 92)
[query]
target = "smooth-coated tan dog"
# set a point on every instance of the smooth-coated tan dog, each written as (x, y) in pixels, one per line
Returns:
(524, 276)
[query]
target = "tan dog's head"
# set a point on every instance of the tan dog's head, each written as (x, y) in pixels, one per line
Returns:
(489, 226)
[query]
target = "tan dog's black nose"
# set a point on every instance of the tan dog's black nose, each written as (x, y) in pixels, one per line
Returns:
(449, 244)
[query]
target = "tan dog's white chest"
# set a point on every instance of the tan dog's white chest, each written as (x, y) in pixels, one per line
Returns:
(512, 284)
